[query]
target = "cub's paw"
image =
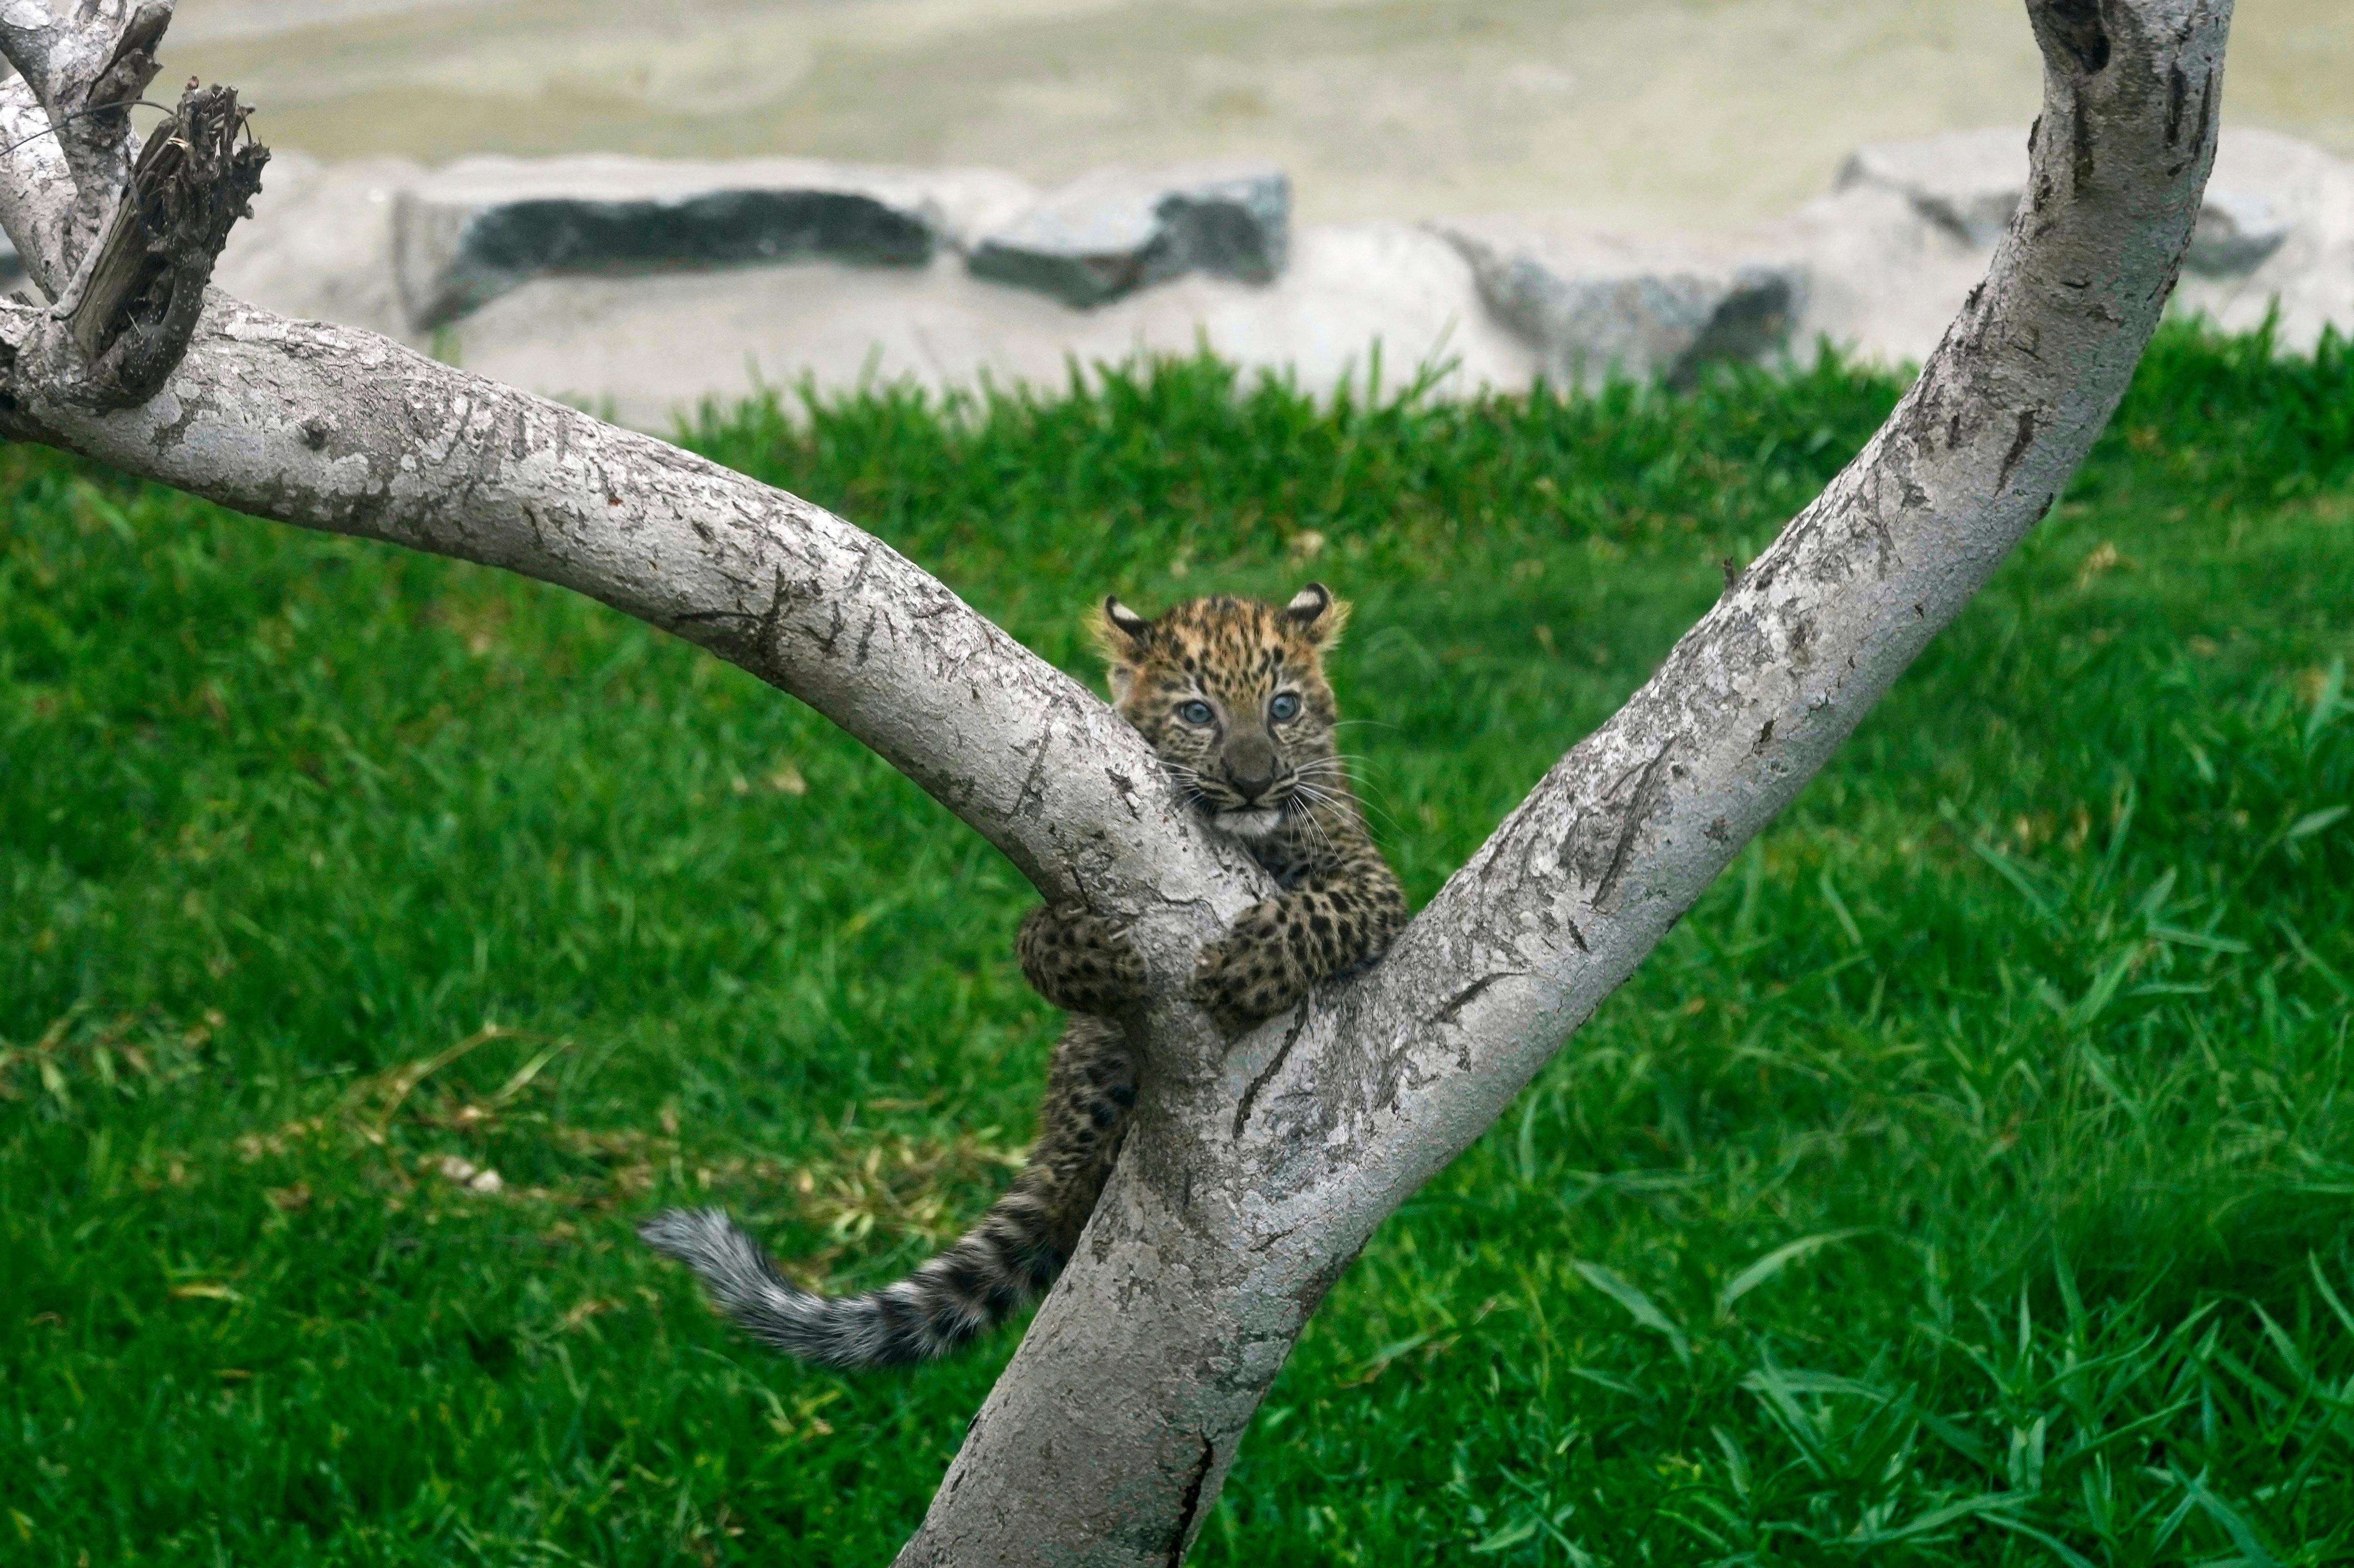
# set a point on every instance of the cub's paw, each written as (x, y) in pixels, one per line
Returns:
(1080, 961)
(1249, 975)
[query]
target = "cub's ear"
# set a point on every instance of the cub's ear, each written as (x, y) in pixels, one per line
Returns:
(1120, 637)
(1120, 633)
(1316, 615)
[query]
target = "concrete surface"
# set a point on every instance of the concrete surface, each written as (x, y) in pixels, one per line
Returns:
(1691, 111)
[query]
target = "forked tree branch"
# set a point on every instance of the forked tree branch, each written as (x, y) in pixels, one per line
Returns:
(1256, 1169)
(1249, 1183)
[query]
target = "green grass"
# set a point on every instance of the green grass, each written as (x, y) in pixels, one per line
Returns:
(1971, 1177)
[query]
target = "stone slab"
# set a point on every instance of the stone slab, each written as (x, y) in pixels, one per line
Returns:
(2304, 284)
(647, 349)
(1970, 182)
(319, 244)
(1117, 231)
(469, 232)
(1883, 280)
(1595, 302)
(2274, 236)
(1870, 267)
(1966, 182)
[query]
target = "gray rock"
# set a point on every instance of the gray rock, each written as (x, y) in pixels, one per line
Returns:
(2238, 227)
(1882, 280)
(466, 234)
(1970, 182)
(1353, 298)
(1967, 182)
(1119, 231)
(1594, 303)
(319, 243)
(1878, 268)
(2288, 255)
(1894, 250)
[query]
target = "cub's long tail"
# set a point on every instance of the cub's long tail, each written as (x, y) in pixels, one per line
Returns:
(1006, 1260)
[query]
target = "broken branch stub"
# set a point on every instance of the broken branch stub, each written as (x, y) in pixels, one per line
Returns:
(126, 243)
(132, 311)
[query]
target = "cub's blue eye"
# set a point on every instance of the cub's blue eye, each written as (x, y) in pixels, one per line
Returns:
(1196, 713)
(1285, 708)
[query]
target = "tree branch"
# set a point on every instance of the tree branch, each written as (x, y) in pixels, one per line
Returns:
(334, 429)
(85, 70)
(36, 190)
(1220, 1233)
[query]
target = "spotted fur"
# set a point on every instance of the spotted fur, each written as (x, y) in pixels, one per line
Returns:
(1231, 694)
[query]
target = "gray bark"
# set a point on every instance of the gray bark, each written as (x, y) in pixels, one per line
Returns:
(83, 69)
(35, 191)
(1256, 1168)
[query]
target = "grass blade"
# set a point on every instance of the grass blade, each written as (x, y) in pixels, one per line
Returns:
(1774, 1263)
(1641, 1308)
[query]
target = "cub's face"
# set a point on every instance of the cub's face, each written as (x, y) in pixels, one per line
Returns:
(1231, 693)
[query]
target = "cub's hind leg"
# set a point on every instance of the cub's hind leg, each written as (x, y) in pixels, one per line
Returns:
(1090, 1090)
(1021, 1244)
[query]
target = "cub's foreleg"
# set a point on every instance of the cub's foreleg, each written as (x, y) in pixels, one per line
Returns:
(1080, 962)
(1280, 948)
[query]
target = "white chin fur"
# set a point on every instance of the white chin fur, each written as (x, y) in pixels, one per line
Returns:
(1251, 824)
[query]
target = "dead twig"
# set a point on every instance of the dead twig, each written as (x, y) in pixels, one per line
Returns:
(131, 311)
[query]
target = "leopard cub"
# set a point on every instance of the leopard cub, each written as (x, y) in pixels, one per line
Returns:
(1231, 694)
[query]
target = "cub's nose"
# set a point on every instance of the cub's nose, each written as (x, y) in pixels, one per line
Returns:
(1251, 770)
(1251, 786)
